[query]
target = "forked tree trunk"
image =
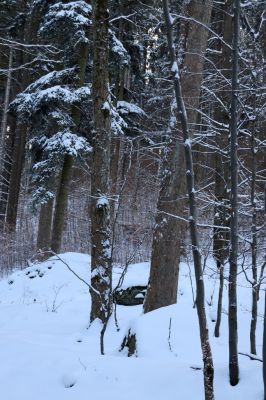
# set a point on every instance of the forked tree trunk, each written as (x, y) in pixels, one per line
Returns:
(200, 297)
(101, 270)
(169, 231)
(232, 312)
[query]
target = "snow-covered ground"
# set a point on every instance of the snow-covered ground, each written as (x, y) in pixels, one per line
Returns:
(47, 350)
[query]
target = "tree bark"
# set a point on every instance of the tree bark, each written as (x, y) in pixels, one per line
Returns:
(18, 157)
(264, 347)
(101, 271)
(221, 115)
(169, 231)
(220, 268)
(45, 227)
(3, 141)
(200, 298)
(66, 173)
(232, 313)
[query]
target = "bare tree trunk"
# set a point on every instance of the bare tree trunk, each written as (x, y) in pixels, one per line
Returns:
(264, 347)
(61, 203)
(220, 268)
(169, 231)
(221, 116)
(18, 157)
(200, 298)
(20, 136)
(232, 313)
(101, 270)
(44, 228)
(3, 189)
(254, 246)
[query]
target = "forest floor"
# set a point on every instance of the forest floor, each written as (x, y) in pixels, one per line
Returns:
(47, 350)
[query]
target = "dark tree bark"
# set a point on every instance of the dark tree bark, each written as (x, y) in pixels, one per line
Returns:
(264, 347)
(4, 140)
(169, 231)
(66, 173)
(18, 157)
(232, 313)
(254, 245)
(200, 298)
(44, 228)
(101, 278)
(28, 35)
(221, 116)
(220, 268)
(61, 203)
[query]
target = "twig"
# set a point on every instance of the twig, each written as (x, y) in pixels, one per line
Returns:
(251, 356)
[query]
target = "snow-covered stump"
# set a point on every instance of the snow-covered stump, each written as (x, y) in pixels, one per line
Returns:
(129, 344)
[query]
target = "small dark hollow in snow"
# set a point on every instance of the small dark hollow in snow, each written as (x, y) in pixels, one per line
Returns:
(70, 386)
(69, 381)
(10, 282)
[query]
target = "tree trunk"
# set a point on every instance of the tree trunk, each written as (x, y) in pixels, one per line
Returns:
(200, 298)
(101, 271)
(232, 313)
(18, 157)
(3, 142)
(169, 231)
(61, 203)
(44, 228)
(221, 116)
(264, 347)
(220, 268)
(66, 173)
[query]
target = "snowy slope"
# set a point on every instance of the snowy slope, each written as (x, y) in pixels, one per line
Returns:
(47, 350)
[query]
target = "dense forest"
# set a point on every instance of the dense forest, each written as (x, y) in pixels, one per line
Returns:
(135, 132)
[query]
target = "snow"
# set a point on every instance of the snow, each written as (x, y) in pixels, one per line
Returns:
(67, 143)
(102, 201)
(32, 102)
(75, 12)
(129, 108)
(48, 350)
(117, 47)
(175, 69)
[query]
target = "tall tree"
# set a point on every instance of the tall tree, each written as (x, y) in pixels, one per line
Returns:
(101, 269)
(233, 259)
(221, 125)
(169, 230)
(200, 298)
